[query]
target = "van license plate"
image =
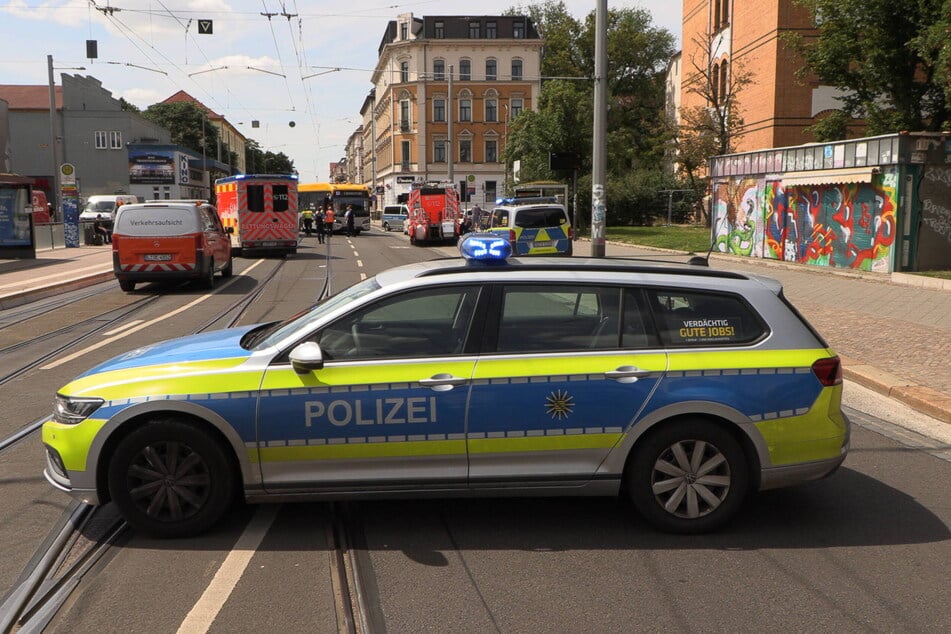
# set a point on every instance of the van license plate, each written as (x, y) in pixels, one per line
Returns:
(543, 243)
(269, 243)
(158, 257)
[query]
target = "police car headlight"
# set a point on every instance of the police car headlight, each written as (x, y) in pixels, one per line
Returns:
(71, 410)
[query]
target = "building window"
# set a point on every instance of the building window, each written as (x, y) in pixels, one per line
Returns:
(515, 106)
(465, 69)
(491, 110)
(491, 30)
(439, 151)
(725, 13)
(491, 151)
(404, 31)
(439, 30)
(491, 69)
(404, 72)
(516, 70)
(404, 116)
(465, 150)
(439, 69)
(724, 69)
(404, 154)
(465, 110)
(101, 140)
(474, 30)
(439, 109)
(115, 140)
(490, 189)
(518, 30)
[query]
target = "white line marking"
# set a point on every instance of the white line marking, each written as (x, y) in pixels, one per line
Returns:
(204, 612)
(116, 331)
(359, 263)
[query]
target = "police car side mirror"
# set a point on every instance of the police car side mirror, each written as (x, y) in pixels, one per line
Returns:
(307, 357)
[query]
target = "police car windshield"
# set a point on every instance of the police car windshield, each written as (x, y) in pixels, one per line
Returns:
(281, 330)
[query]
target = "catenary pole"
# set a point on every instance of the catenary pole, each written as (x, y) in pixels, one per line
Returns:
(599, 150)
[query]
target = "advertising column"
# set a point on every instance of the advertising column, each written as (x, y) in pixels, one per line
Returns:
(69, 195)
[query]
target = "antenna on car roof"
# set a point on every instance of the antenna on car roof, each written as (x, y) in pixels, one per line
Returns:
(704, 260)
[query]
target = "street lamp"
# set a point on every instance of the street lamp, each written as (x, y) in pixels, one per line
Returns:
(54, 146)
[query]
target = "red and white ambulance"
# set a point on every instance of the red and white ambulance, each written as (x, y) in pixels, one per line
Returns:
(261, 209)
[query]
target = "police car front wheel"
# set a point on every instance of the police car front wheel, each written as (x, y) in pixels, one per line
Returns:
(171, 479)
(688, 477)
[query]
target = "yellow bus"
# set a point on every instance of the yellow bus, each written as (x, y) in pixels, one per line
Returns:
(338, 195)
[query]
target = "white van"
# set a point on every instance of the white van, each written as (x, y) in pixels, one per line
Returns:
(105, 206)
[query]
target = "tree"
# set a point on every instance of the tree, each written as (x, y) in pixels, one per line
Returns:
(885, 56)
(188, 124)
(711, 129)
(260, 162)
(934, 46)
(127, 107)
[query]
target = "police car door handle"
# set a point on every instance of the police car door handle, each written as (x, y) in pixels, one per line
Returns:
(626, 374)
(443, 382)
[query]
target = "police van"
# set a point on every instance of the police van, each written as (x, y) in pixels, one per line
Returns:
(533, 226)
(683, 388)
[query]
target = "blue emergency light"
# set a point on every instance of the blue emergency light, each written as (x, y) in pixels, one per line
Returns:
(485, 247)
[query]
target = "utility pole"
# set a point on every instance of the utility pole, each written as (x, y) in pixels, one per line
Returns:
(54, 142)
(599, 150)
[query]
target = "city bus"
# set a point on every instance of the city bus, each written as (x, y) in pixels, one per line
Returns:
(339, 195)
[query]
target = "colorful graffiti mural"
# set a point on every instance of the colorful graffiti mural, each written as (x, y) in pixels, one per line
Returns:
(847, 225)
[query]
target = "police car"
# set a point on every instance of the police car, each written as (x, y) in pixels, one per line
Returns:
(681, 387)
(533, 226)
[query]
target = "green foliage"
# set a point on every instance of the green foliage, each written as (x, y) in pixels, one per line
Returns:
(260, 162)
(638, 54)
(186, 121)
(887, 57)
(833, 127)
(127, 107)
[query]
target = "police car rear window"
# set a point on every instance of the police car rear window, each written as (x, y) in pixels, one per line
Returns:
(698, 319)
(537, 218)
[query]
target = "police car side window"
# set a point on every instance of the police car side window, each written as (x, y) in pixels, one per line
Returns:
(425, 323)
(550, 318)
(697, 318)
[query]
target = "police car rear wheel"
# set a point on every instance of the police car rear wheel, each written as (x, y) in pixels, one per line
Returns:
(688, 477)
(170, 479)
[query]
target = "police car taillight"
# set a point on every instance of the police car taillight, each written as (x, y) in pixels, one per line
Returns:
(828, 371)
(485, 247)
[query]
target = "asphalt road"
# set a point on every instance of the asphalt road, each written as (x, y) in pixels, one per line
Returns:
(866, 550)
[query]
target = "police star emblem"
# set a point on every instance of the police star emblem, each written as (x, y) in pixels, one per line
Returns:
(559, 404)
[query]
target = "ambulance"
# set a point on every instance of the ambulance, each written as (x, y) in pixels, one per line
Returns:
(261, 211)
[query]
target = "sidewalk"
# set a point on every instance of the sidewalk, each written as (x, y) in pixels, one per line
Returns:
(893, 332)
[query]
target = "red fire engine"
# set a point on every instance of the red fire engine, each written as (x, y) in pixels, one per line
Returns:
(433, 213)
(262, 211)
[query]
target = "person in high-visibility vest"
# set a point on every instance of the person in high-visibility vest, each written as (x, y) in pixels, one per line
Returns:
(307, 215)
(329, 222)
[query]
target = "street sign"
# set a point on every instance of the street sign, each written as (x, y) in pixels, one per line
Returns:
(206, 27)
(67, 174)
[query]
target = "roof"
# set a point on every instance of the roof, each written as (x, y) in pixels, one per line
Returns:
(30, 97)
(182, 96)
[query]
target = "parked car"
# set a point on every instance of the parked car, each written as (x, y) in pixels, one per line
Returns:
(533, 227)
(104, 207)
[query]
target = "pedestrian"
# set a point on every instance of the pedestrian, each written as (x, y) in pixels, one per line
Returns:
(308, 217)
(329, 222)
(477, 218)
(348, 217)
(102, 230)
(319, 218)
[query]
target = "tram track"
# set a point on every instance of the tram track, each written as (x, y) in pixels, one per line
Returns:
(84, 533)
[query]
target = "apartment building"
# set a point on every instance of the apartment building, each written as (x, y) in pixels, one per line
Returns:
(728, 36)
(445, 90)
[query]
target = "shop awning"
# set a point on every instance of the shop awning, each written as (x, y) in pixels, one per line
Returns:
(829, 177)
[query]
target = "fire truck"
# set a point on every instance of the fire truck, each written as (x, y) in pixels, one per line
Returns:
(261, 209)
(434, 214)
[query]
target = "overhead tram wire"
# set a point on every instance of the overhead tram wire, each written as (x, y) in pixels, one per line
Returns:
(277, 47)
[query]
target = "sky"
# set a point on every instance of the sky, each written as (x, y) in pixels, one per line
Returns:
(277, 70)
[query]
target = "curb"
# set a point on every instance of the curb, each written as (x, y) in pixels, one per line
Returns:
(22, 297)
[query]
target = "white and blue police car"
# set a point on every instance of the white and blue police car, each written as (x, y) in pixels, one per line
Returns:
(681, 387)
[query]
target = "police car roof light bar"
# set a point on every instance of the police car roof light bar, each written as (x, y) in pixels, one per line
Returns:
(485, 248)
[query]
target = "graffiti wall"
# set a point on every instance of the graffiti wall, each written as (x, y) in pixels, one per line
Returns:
(847, 225)
(934, 228)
